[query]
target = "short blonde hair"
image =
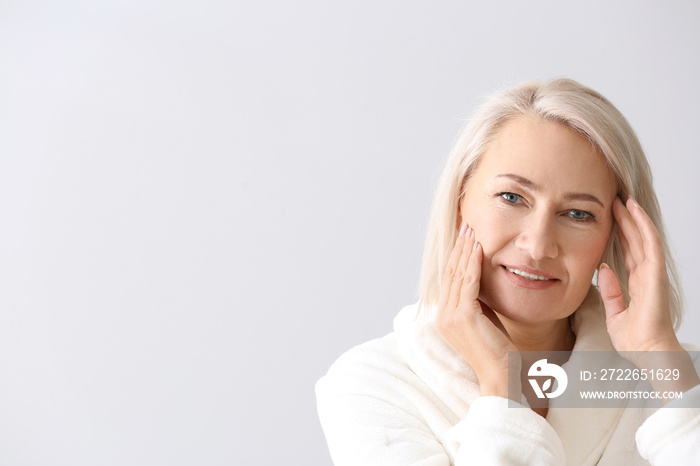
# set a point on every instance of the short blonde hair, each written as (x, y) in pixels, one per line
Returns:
(576, 106)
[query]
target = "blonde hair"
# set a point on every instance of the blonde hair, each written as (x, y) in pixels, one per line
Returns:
(576, 106)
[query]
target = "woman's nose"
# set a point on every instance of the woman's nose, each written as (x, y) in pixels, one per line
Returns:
(538, 237)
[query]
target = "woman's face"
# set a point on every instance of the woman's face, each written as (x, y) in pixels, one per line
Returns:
(540, 204)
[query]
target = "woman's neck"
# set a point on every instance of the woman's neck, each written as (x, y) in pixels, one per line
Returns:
(550, 336)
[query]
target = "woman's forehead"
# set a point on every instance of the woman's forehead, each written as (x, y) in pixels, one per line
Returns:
(548, 154)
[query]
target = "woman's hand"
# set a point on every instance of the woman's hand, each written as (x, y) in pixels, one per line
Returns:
(646, 324)
(470, 326)
(644, 327)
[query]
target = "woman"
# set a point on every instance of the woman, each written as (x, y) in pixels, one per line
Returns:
(547, 185)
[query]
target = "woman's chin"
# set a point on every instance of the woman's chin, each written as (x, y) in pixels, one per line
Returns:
(525, 313)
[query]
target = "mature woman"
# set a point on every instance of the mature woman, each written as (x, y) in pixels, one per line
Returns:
(547, 185)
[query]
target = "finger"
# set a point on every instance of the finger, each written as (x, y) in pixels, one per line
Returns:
(460, 273)
(653, 247)
(610, 292)
(628, 227)
(630, 263)
(451, 268)
(472, 279)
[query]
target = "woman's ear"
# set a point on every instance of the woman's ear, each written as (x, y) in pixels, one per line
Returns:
(460, 198)
(460, 220)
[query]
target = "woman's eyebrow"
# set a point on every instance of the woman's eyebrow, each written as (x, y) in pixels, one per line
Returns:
(529, 184)
(583, 197)
(520, 180)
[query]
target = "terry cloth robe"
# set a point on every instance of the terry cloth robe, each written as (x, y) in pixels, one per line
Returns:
(410, 399)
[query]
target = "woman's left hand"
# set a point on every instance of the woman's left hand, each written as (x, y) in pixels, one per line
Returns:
(644, 325)
(644, 328)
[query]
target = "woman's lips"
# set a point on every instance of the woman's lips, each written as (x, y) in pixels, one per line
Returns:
(528, 277)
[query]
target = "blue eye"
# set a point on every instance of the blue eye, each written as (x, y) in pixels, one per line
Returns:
(510, 197)
(581, 215)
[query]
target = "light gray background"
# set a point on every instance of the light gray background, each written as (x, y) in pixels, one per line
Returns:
(203, 204)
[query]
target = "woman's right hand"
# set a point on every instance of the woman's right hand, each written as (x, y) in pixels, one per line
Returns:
(468, 325)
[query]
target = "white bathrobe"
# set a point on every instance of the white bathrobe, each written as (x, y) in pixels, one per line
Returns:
(410, 399)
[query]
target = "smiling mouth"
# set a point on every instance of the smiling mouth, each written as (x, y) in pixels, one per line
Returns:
(529, 276)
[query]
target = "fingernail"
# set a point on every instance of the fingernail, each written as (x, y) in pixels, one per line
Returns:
(463, 230)
(470, 232)
(604, 266)
(634, 202)
(476, 245)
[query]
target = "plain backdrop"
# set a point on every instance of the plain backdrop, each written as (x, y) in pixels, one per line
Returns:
(203, 204)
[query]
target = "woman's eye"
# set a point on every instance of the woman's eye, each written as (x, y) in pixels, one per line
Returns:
(580, 215)
(511, 197)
